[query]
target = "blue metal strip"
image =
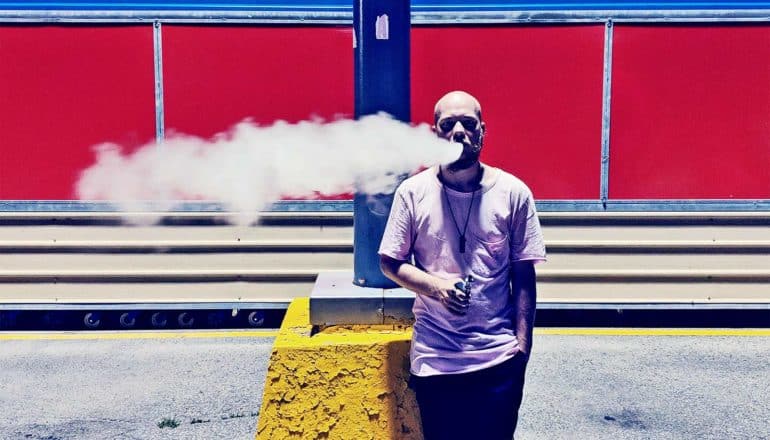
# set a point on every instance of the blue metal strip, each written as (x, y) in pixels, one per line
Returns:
(341, 206)
(653, 205)
(604, 178)
(311, 16)
(185, 305)
(589, 16)
(541, 305)
(303, 17)
(419, 5)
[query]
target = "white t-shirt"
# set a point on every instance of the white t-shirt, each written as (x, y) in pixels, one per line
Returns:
(502, 227)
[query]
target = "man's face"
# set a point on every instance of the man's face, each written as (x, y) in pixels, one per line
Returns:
(459, 122)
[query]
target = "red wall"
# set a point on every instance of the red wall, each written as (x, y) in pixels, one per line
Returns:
(64, 89)
(690, 103)
(540, 88)
(690, 112)
(217, 76)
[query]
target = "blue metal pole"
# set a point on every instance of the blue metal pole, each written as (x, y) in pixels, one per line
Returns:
(381, 51)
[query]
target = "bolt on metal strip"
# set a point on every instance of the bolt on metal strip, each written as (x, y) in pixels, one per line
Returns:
(158, 63)
(604, 184)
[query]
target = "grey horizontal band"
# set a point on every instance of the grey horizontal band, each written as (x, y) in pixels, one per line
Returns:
(56, 206)
(147, 306)
(419, 17)
(283, 305)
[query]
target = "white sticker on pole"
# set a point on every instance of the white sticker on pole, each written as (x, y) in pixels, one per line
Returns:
(382, 30)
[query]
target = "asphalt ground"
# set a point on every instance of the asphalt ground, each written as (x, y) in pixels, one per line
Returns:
(132, 385)
(581, 384)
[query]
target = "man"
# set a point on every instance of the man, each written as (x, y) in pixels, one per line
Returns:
(469, 348)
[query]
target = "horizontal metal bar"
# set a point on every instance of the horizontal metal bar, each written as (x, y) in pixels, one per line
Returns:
(271, 305)
(161, 246)
(155, 276)
(657, 215)
(419, 16)
(654, 275)
(672, 246)
(257, 275)
(654, 218)
(207, 207)
(306, 16)
(588, 16)
(174, 218)
(345, 219)
(652, 306)
(280, 305)
(313, 205)
(289, 206)
(653, 205)
(222, 246)
(304, 216)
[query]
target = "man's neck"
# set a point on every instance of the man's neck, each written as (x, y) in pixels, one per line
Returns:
(465, 180)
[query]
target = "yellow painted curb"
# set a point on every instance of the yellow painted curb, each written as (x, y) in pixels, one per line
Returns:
(341, 383)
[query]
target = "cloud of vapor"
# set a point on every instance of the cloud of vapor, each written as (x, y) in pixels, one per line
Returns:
(251, 166)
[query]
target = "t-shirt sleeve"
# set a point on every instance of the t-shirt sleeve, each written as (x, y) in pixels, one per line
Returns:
(398, 237)
(527, 237)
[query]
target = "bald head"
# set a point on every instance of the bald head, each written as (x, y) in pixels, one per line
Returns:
(457, 101)
(458, 119)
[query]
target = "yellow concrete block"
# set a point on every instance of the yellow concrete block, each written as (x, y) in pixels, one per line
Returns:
(340, 383)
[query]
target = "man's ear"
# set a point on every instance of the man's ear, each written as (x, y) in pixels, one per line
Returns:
(433, 128)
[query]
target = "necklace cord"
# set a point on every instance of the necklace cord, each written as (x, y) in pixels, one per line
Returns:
(467, 217)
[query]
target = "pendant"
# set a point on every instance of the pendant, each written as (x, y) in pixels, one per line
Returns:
(462, 244)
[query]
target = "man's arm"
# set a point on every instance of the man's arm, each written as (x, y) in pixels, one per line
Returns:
(524, 300)
(422, 283)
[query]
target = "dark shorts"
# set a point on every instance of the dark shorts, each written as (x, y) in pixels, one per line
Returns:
(479, 405)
